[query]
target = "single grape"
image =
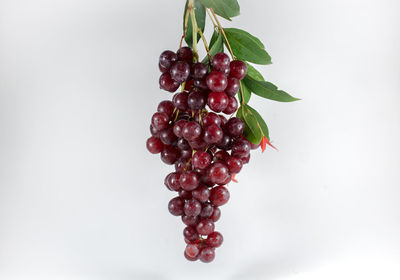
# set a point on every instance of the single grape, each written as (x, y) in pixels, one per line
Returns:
(185, 54)
(169, 154)
(207, 255)
(234, 127)
(191, 130)
(190, 258)
(220, 61)
(217, 101)
(192, 251)
(180, 71)
(241, 148)
(211, 118)
(180, 100)
(190, 220)
(175, 206)
(190, 233)
(216, 81)
(234, 164)
(238, 69)
(154, 145)
(205, 227)
(166, 107)
(167, 136)
(219, 195)
(196, 100)
(167, 58)
(201, 160)
(189, 180)
(173, 181)
(213, 134)
(167, 83)
(233, 86)
(199, 71)
(160, 121)
(207, 210)
(214, 239)
(192, 207)
(232, 106)
(201, 193)
(218, 173)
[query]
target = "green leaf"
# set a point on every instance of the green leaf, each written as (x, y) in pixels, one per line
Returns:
(247, 47)
(253, 73)
(223, 8)
(261, 122)
(268, 90)
(217, 47)
(200, 14)
(214, 38)
(252, 131)
(246, 93)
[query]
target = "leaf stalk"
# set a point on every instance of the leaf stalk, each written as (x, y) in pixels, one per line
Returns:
(205, 44)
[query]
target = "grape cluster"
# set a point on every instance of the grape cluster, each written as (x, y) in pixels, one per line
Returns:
(206, 148)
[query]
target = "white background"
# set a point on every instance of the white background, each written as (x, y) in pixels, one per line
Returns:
(81, 198)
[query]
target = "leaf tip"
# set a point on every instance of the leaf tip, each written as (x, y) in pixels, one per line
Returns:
(294, 99)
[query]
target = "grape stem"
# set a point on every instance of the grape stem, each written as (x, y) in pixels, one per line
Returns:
(211, 18)
(223, 33)
(186, 26)
(194, 29)
(177, 114)
(187, 164)
(205, 44)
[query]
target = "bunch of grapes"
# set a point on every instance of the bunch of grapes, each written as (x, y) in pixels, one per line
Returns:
(206, 147)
